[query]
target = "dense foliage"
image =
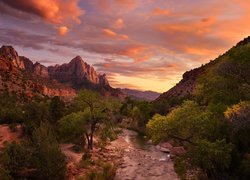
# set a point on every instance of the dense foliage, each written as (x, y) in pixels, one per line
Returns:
(214, 126)
(92, 113)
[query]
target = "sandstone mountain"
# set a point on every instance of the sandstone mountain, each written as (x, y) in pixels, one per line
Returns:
(214, 81)
(20, 76)
(141, 95)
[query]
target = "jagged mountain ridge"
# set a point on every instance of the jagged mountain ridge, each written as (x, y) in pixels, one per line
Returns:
(141, 95)
(62, 80)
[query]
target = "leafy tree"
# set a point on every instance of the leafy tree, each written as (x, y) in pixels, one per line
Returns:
(72, 126)
(193, 127)
(93, 112)
(239, 116)
(49, 160)
(35, 112)
(15, 158)
(56, 109)
(185, 124)
(10, 110)
(212, 157)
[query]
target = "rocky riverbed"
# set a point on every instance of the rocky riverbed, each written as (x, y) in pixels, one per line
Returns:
(143, 161)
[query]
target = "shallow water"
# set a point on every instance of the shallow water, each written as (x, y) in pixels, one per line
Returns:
(142, 161)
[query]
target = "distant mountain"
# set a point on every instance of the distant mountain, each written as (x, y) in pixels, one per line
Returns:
(141, 95)
(19, 75)
(224, 80)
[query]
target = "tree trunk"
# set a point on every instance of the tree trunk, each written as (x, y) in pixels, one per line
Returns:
(89, 138)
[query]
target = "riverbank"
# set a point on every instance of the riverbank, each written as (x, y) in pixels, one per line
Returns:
(133, 158)
(143, 161)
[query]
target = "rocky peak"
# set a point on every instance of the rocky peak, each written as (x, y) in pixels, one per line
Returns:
(103, 80)
(77, 72)
(28, 64)
(9, 53)
(40, 70)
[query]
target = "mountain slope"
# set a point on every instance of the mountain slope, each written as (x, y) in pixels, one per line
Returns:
(225, 80)
(17, 77)
(20, 76)
(141, 95)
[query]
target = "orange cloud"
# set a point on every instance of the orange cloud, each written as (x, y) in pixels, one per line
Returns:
(54, 11)
(109, 32)
(119, 23)
(62, 30)
(197, 27)
(159, 12)
(139, 53)
(123, 37)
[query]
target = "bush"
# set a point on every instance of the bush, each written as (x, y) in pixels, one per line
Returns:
(50, 161)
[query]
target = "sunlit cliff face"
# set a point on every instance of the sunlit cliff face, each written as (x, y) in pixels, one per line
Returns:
(140, 44)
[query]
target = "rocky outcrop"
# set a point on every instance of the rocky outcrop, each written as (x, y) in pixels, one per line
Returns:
(28, 64)
(77, 74)
(40, 70)
(186, 86)
(19, 75)
(10, 54)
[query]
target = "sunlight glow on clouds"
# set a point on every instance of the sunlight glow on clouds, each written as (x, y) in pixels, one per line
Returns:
(144, 44)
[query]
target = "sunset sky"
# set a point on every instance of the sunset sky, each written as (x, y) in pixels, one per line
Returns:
(139, 44)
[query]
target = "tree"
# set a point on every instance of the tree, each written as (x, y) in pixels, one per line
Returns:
(94, 112)
(15, 158)
(195, 128)
(212, 157)
(72, 126)
(49, 159)
(239, 116)
(186, 124)
(35, 112)
(56, 109)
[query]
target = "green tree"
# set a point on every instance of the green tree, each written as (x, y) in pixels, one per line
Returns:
(239, 116)
(186, 124)
(56, 109)
(94, 111)
(72, 126)
(15, 158)
(212, 157)
(49, 159)
(195, 128)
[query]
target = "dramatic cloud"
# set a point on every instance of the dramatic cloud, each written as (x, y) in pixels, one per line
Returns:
(55, 11)
(58, 12)
(145, 44)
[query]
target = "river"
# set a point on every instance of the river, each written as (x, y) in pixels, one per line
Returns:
(143, 161)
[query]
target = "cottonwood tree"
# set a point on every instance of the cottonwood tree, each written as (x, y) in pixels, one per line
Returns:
(194, 127)
(94, 111)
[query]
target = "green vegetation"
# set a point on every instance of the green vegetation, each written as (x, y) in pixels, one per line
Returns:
(93, 113)
(137, 113)
(213, 125)
(39, 157)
